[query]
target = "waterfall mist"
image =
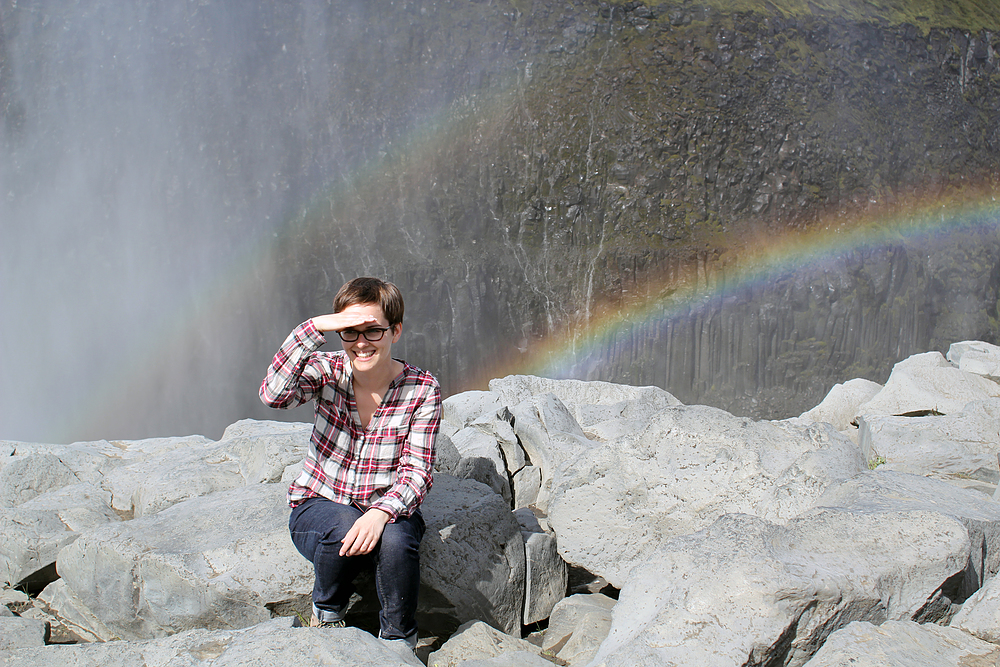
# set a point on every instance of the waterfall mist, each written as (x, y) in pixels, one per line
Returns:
(182, 184)
(151, 155)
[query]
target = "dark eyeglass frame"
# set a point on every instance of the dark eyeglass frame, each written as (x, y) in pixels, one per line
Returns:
(350, 335)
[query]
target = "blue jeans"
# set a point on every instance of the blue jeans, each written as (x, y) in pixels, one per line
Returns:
(318, 526)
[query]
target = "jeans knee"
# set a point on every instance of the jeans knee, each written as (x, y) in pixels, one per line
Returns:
(393, 541)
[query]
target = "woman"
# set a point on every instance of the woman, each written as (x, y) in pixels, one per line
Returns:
(370, 457)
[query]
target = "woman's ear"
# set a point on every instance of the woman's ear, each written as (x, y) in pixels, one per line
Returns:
(397, 331)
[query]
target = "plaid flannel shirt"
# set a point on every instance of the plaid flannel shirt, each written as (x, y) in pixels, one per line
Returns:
(390, 464)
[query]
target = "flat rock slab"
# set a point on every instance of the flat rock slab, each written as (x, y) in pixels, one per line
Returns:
(614, 503)
(28, 469)
(963, 443)
(975, 356)
(746, 591)
(154, 474)
(887, 491)
(546, 576)
(17, 633)
(272, 643)
(264, 450)
(24, 476)
(904, 644)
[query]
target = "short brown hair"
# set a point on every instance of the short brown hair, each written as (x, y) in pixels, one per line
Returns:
(371, 290)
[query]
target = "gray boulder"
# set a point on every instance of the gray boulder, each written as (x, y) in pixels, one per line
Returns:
(461, 410)
(892, 492)
(142, 465)
(34, 468)
(263, 450)
(146, 486)
(577, 627)
(554, 420)
(974, 356)
(476, 641)
(474, 443)
(840, 406)
(25, 476)
(483, 411)
(962, 444)
(746, 591)
(550, 436)
(48, 494)
(161, 472)
(904, 644)
(73, 614)
(34, 532)
(614, 503)
(472, 555)
(980, 615)
(926, 382)
(223, 560)
(605, 410)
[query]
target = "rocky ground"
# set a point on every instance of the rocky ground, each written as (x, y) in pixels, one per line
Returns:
(576, 523)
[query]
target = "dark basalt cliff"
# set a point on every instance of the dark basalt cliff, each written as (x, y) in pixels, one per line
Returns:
(585, 149)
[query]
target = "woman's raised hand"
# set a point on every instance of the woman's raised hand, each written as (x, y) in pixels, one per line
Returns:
(348, 318)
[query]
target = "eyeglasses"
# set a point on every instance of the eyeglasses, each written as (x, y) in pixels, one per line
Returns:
(371, 335)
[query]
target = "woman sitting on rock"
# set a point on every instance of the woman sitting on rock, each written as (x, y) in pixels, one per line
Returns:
(370, 457)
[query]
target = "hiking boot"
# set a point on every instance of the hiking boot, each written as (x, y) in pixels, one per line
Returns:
(316, 623)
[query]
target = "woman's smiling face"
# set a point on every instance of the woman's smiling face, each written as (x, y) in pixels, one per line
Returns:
(368, 355)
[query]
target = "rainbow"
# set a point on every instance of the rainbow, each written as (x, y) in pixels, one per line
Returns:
(757, 259)
(748, 260)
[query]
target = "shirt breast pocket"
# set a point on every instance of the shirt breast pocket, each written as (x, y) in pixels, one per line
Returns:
(386, 447)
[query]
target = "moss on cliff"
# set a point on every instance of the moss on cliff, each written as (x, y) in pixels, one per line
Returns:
(971, 15)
